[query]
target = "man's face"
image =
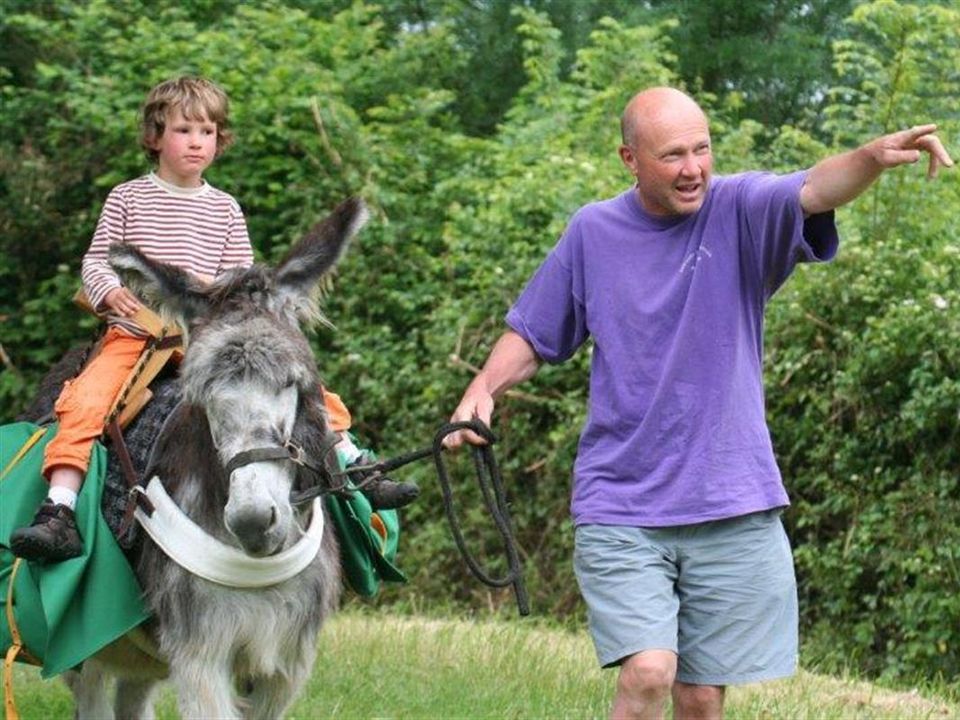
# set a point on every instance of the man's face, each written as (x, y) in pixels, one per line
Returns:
(671, 159)
(187, 147)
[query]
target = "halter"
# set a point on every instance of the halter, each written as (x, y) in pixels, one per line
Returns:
(296, 454)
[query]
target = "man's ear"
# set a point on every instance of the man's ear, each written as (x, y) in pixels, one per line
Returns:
(629, 158)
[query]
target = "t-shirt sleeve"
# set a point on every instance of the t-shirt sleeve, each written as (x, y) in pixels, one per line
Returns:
(237, 251)
(779, 234)
(95, 271)
(550, 313)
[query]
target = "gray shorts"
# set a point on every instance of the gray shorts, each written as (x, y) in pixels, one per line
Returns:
(721, 595)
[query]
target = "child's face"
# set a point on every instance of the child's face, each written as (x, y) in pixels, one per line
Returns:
(187, 147)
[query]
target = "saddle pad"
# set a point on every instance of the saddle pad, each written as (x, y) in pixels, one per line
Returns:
(88, 601)
(139, 437)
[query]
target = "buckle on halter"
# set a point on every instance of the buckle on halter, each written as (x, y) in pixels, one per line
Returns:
(295, 452)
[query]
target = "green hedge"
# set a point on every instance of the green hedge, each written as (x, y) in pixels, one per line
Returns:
(862, 355)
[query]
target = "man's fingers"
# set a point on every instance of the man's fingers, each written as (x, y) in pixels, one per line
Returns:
(892, 157)
(932, 145)
(458, 438)
(919, 131)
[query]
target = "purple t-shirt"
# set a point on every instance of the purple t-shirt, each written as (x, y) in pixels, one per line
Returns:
(675, 432)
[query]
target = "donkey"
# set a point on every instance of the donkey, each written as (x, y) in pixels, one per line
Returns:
(249, 380)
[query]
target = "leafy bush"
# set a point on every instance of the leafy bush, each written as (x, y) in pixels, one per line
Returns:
(862, 356)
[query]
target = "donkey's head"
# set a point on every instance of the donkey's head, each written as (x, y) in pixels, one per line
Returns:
(249, 366)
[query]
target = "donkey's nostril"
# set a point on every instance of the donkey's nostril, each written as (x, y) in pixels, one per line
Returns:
(273, 516)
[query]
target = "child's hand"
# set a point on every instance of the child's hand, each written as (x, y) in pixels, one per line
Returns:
(122, 302)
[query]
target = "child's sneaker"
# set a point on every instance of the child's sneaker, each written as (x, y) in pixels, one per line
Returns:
(382, 492)
(386, 494)
(52, 536)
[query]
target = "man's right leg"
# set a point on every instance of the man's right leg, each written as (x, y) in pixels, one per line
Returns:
(627, 577)
(643, 685)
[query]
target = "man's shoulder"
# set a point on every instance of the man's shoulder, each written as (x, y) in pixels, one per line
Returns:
(755, 189)
(614, 203)
(737, 182)
(608, 210)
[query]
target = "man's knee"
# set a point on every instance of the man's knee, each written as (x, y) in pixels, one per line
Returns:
(650, 673)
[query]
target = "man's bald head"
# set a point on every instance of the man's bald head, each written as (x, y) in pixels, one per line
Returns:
(650, 104)
(666, 147)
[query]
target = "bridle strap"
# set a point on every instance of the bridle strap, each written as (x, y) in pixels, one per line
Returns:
(290, 450)
(287, 451)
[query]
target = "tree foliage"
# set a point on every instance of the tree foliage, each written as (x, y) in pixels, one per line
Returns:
(471, 191)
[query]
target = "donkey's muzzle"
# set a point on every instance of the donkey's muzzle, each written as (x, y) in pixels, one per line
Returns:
(253, 527)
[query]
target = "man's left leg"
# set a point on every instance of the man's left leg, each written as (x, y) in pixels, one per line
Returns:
(738, 609)
(697, 702)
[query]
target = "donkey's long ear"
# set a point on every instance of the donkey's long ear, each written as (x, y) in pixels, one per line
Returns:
(167, 289)
(299, 273)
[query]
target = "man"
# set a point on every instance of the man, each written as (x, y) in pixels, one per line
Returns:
(680, 552)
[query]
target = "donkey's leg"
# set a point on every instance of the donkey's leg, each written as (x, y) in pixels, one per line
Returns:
(134, 699)
(204, 687)
(273, 694)
(91, 691)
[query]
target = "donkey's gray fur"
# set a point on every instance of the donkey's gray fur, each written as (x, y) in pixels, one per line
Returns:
(233, 652)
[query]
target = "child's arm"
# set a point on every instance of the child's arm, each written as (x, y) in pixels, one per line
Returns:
(237, 251)
(99, 279)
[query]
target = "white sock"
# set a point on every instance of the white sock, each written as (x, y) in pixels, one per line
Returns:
(350, 451)
(63, 496)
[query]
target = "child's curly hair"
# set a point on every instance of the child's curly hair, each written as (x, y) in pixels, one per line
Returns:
(197, 98)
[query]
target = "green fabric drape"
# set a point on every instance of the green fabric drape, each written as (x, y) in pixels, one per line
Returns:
(65, 611)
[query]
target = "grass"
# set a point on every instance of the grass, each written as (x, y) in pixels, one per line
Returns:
(377, 665)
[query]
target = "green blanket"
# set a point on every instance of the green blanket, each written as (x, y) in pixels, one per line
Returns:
(65, 611)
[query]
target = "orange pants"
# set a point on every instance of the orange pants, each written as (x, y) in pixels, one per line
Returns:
(85, 401)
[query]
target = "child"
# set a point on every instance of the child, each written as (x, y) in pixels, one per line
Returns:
(175, 216)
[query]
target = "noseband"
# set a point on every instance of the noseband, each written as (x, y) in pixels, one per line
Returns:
(288, 451)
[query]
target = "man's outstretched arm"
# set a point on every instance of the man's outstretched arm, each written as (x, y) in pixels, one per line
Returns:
(838, 179)
(511, 361)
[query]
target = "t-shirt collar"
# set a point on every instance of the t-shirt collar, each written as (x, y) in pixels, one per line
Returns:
(177, 189)
(632, 199)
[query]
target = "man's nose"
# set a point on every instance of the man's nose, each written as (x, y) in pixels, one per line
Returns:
(691, 166)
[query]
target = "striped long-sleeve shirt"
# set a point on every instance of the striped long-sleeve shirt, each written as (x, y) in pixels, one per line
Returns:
(201, 230)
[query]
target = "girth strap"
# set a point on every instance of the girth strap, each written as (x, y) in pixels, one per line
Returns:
(130, 475)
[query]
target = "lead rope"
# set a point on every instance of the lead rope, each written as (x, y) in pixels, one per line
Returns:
(488, 477)
(491, 485)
